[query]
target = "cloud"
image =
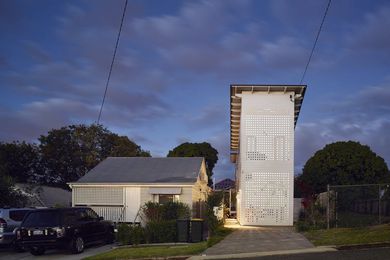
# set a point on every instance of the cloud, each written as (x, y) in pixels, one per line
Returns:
(211, 116)
(361, 117)
(125, 110)
(286, 52)
(373, 34)
(38, 117)
(36, 52)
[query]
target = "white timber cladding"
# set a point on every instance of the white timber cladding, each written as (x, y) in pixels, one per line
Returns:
(199, 193)
(133, 203)
(266, 158)
(98, 196)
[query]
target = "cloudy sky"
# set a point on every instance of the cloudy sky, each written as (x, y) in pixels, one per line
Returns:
(177, 59)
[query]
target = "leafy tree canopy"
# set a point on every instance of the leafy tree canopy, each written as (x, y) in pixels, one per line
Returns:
(20, 160)
(69, 152)
(344, 163)
(10, 197)
(198, 150)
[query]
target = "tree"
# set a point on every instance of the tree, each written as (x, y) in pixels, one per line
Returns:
(69, 152)
(343, 163)
(10, 197)
(198, 150)
(20, 161)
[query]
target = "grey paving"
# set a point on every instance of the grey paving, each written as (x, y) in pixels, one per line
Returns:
(260, 239)
(355, 254)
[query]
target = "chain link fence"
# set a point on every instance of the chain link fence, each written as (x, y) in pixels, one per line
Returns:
(356, 205)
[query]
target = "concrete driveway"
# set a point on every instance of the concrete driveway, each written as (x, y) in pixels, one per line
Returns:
(54, 254)
(260, 239)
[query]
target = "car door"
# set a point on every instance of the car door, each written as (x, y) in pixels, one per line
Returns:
(86, 225)
(15, 218)
(98, 226)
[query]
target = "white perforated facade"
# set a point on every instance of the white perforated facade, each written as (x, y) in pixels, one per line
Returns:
(262, 144)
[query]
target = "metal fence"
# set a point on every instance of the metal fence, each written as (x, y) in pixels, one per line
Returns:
(355, 205)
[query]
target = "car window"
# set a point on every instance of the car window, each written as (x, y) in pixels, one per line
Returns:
(17, 215)
(82, 215)
(42, 219)
(92, 214)
(70, 217)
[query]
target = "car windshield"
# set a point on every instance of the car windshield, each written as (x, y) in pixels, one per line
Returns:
(42, 219)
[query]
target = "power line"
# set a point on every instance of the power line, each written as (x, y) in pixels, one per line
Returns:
(112, 62)
(315, 42)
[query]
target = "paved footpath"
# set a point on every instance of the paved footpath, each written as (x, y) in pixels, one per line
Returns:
(260, 239)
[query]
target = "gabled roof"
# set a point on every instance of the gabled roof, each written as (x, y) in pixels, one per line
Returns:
(45, 196)
(225, 184)
(144, 170)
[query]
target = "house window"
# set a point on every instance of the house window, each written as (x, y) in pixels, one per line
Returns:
(165, 198)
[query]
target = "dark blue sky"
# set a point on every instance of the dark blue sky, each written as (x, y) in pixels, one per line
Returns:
(176, 60)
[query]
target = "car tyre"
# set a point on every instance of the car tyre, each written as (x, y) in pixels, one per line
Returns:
(37, 250)
(18, 248)
(77, 245)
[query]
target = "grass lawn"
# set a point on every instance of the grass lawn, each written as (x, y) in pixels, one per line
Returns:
(153, 251)
(349, 236)
(352, 219)
(162, 251)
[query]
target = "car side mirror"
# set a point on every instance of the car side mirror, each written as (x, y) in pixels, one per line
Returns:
(100, 218)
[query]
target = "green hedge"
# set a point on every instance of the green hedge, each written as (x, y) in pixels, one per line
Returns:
(161, 231)
(130, 234)
(160, 224)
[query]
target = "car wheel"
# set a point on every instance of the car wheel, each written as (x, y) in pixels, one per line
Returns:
(37, 250)
(77, 245)
(110, 237)
(18, 248)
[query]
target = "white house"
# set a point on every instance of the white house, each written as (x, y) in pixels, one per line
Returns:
(262, 124)
(118, 186)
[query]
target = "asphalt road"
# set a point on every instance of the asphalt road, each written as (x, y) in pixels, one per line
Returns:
(53, 254)
(355, 254)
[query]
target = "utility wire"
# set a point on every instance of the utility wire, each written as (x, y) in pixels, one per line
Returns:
(315, 42)
(112, 62)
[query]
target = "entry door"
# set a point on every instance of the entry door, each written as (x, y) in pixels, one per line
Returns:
(132, 203)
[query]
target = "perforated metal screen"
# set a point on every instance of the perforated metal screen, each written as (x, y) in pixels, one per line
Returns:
(98, 195)
(266, 198)
(267, 137)
(267, 173)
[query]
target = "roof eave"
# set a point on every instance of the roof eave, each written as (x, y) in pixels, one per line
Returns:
(235, 107)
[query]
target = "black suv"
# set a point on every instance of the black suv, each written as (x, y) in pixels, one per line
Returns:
(71, 228)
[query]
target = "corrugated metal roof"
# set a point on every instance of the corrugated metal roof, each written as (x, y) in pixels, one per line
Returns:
(144, 170)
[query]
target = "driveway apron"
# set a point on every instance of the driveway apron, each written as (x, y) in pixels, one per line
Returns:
(259, 239)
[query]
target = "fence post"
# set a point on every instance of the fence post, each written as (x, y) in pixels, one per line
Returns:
(379, 204)
(328, 207)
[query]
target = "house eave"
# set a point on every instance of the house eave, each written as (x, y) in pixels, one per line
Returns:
(235, 107)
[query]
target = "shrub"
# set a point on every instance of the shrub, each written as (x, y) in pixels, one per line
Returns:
(123, 235)
(151, 211)
(213, 200)
(155, 212)
(137, 235)
(161, 220)
(160, 231)
(175, 210)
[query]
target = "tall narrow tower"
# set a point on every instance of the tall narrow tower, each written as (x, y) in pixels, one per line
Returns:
(262, 121)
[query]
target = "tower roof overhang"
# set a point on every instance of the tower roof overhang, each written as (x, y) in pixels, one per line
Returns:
(235, 107)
